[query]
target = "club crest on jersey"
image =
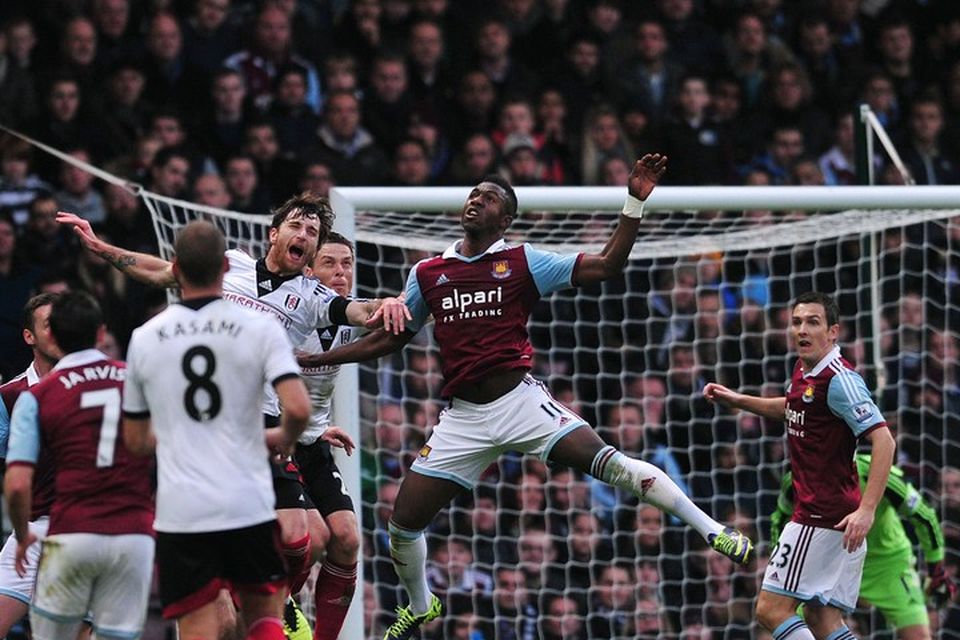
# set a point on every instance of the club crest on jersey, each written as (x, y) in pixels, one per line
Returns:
(807, 395)
(425, 452)
(292, 302)
(501, 270)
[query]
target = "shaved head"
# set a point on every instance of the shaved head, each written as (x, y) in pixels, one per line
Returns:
(200, 247)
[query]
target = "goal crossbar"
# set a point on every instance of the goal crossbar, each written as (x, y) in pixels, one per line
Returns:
(427, 199)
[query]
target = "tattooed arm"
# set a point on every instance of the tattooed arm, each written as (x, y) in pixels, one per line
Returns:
(139, 266)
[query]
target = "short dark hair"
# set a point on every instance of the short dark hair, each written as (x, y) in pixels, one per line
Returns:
(288, 69)
(420, 144)
(309, 205)
(42, 197)
(199, 249)
(829, 305)
(225, 72)
(512, 203)
(337, 238)
(34, 303)
(75, 319)
(166, 154)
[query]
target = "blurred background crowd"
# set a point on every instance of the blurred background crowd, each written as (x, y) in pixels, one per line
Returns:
(239, 104)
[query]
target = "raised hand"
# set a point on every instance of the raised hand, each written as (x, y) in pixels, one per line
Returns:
(81, 228)
(645, 175)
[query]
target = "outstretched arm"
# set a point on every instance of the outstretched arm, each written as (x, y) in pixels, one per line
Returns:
(610, 262)
(390, 313)
(376, 344)
(139, 266)
(772, 408)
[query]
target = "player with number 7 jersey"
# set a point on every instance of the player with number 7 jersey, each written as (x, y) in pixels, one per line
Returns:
(98, 553)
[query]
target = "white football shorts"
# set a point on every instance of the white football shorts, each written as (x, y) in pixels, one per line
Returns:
(12, 585)
(811, 565)
(109, 576)
(471, 436)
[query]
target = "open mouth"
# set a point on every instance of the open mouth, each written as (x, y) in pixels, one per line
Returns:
(295, 252)
(803, 343)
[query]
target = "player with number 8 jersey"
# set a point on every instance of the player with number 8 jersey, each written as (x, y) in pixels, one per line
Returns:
(196, 374)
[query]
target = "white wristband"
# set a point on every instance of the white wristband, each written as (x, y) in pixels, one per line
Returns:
(633, 207)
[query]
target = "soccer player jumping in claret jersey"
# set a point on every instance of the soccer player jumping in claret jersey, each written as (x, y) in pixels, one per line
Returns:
(819, 556)
(481, 292)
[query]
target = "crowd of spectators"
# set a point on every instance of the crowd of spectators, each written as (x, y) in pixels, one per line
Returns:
(238, 104)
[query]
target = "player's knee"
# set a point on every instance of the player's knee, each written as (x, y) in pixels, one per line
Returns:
(319, 544)
(345, 544)
(771, 612)
(293, 525)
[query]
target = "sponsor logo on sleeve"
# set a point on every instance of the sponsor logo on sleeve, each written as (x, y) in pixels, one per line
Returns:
(863, 412)
(425, 452)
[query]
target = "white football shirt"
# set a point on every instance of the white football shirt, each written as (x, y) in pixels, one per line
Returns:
(301, 304)
(198, 369)
(320, 380)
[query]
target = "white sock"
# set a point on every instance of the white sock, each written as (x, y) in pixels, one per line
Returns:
(409, 552)
(793, 628)
(652, 485)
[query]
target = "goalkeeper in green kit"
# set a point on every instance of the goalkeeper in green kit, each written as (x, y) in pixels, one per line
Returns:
(890, 581)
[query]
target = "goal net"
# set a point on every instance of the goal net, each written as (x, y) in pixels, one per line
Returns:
(705, 297)
(536, 551)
